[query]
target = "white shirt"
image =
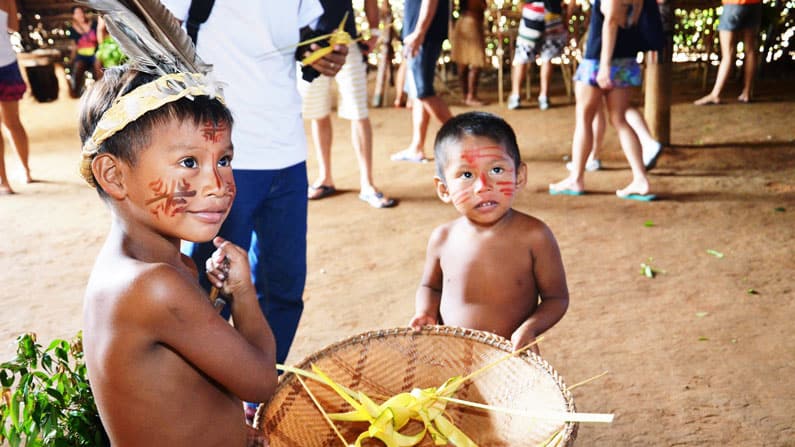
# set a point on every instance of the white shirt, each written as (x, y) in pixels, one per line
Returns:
(7, 53)
(251, 45)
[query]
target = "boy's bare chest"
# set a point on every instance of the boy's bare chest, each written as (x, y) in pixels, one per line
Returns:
(487, 263)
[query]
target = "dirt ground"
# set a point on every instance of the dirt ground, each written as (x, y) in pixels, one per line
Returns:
(699, 355)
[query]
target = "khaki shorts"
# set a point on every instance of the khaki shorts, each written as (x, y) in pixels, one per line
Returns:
(351, 83)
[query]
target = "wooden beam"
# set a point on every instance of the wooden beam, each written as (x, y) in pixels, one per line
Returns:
(657, 99)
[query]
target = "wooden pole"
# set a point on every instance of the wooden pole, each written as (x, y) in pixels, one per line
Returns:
(657, 108)
(385, 56)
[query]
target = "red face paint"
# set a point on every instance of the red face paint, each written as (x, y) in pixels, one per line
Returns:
(507, 188)
(461, 197)
(169, 199)
(470, 155)
(212, 131)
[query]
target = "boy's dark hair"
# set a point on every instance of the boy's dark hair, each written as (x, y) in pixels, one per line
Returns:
(126, 143)
(479, 124)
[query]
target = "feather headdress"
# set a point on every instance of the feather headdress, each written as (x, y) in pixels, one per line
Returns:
(155, 43)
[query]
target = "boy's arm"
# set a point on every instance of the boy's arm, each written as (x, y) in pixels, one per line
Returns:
(429, 294)
(550, 279)
(241, 359)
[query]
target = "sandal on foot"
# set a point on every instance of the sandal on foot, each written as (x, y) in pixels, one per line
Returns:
(320, 192)
(409, 155)
(376, 199)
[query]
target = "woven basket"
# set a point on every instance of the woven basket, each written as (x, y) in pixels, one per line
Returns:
(386, 362)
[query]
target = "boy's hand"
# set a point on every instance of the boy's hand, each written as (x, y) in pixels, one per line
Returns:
(521, 337)
(228, 268)
(421, 320)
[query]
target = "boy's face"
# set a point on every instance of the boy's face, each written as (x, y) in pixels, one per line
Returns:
(481, 179)
(182, 183)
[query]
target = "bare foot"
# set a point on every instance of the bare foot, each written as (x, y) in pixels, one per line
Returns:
(707, 101)
(570, 186)
(6, 190)
(744, 98)
(474, 102)
(637, 187)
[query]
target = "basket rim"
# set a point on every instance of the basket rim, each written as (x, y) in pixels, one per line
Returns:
(496, 341)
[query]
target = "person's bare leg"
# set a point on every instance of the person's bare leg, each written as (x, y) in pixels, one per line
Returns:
(362, 140)
(749, 64)
(419, 128)
(463, 78)
(5, 187)
(638, 123)
(618, 101)
(588, 100)
(10, 114)
(517, 76)
(599, 129)
(545, 76)
(400, 81)
(437, 108)
(472, 87)
(727, 50)
(322, 135)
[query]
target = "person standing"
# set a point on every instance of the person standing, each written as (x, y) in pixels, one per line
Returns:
(610, 71)
(468, 48)
(12, 87)
(739, 19)
(251, 46)
(86, 36)
(543, 33)
(424, 29)
(352, 87)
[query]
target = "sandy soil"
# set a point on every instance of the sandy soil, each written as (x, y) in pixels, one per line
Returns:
(700, 355)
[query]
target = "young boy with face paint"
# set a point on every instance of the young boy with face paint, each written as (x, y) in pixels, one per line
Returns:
(494, 268)
(164, 366)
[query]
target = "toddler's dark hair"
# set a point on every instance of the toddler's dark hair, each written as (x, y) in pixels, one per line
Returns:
(479, 124)
(126, 143)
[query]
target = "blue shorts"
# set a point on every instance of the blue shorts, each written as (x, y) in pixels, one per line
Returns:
(740, 17)
(624, 72)
(422, 69)
(12, 87)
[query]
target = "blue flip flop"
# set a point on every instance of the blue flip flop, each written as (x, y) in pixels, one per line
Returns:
(565, 192)
(639, 197)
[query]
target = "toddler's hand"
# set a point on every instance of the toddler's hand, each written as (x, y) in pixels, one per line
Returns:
(228, 268)
(523, 337)
(418, 321)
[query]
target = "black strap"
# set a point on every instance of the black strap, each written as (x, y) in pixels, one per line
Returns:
(198, 14)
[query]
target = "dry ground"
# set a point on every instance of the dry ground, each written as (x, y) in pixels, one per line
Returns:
(694, 358)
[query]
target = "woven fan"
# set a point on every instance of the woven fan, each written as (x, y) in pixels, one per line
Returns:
(384, 363)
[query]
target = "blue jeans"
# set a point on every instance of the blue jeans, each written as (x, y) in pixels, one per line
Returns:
(269, 217)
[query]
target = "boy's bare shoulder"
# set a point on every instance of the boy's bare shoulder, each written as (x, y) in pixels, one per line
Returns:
(144, 285)
(441, 233)
(530, 226)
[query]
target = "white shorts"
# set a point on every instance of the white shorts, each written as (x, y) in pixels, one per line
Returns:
(351, 86)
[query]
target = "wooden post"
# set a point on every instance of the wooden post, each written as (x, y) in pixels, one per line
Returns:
(385, 56)
(657, 99)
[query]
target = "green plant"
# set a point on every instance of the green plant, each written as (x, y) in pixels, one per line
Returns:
(46, 399)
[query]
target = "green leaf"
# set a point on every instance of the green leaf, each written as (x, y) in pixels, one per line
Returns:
(702, 314)
(779, 209)
(752, 292)
(702, 338)
(648, 224)
(715, 253)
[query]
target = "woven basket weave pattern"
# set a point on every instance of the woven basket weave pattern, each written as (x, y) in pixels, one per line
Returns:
(387, 362)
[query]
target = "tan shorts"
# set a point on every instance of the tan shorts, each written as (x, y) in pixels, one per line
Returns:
(351, 89)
